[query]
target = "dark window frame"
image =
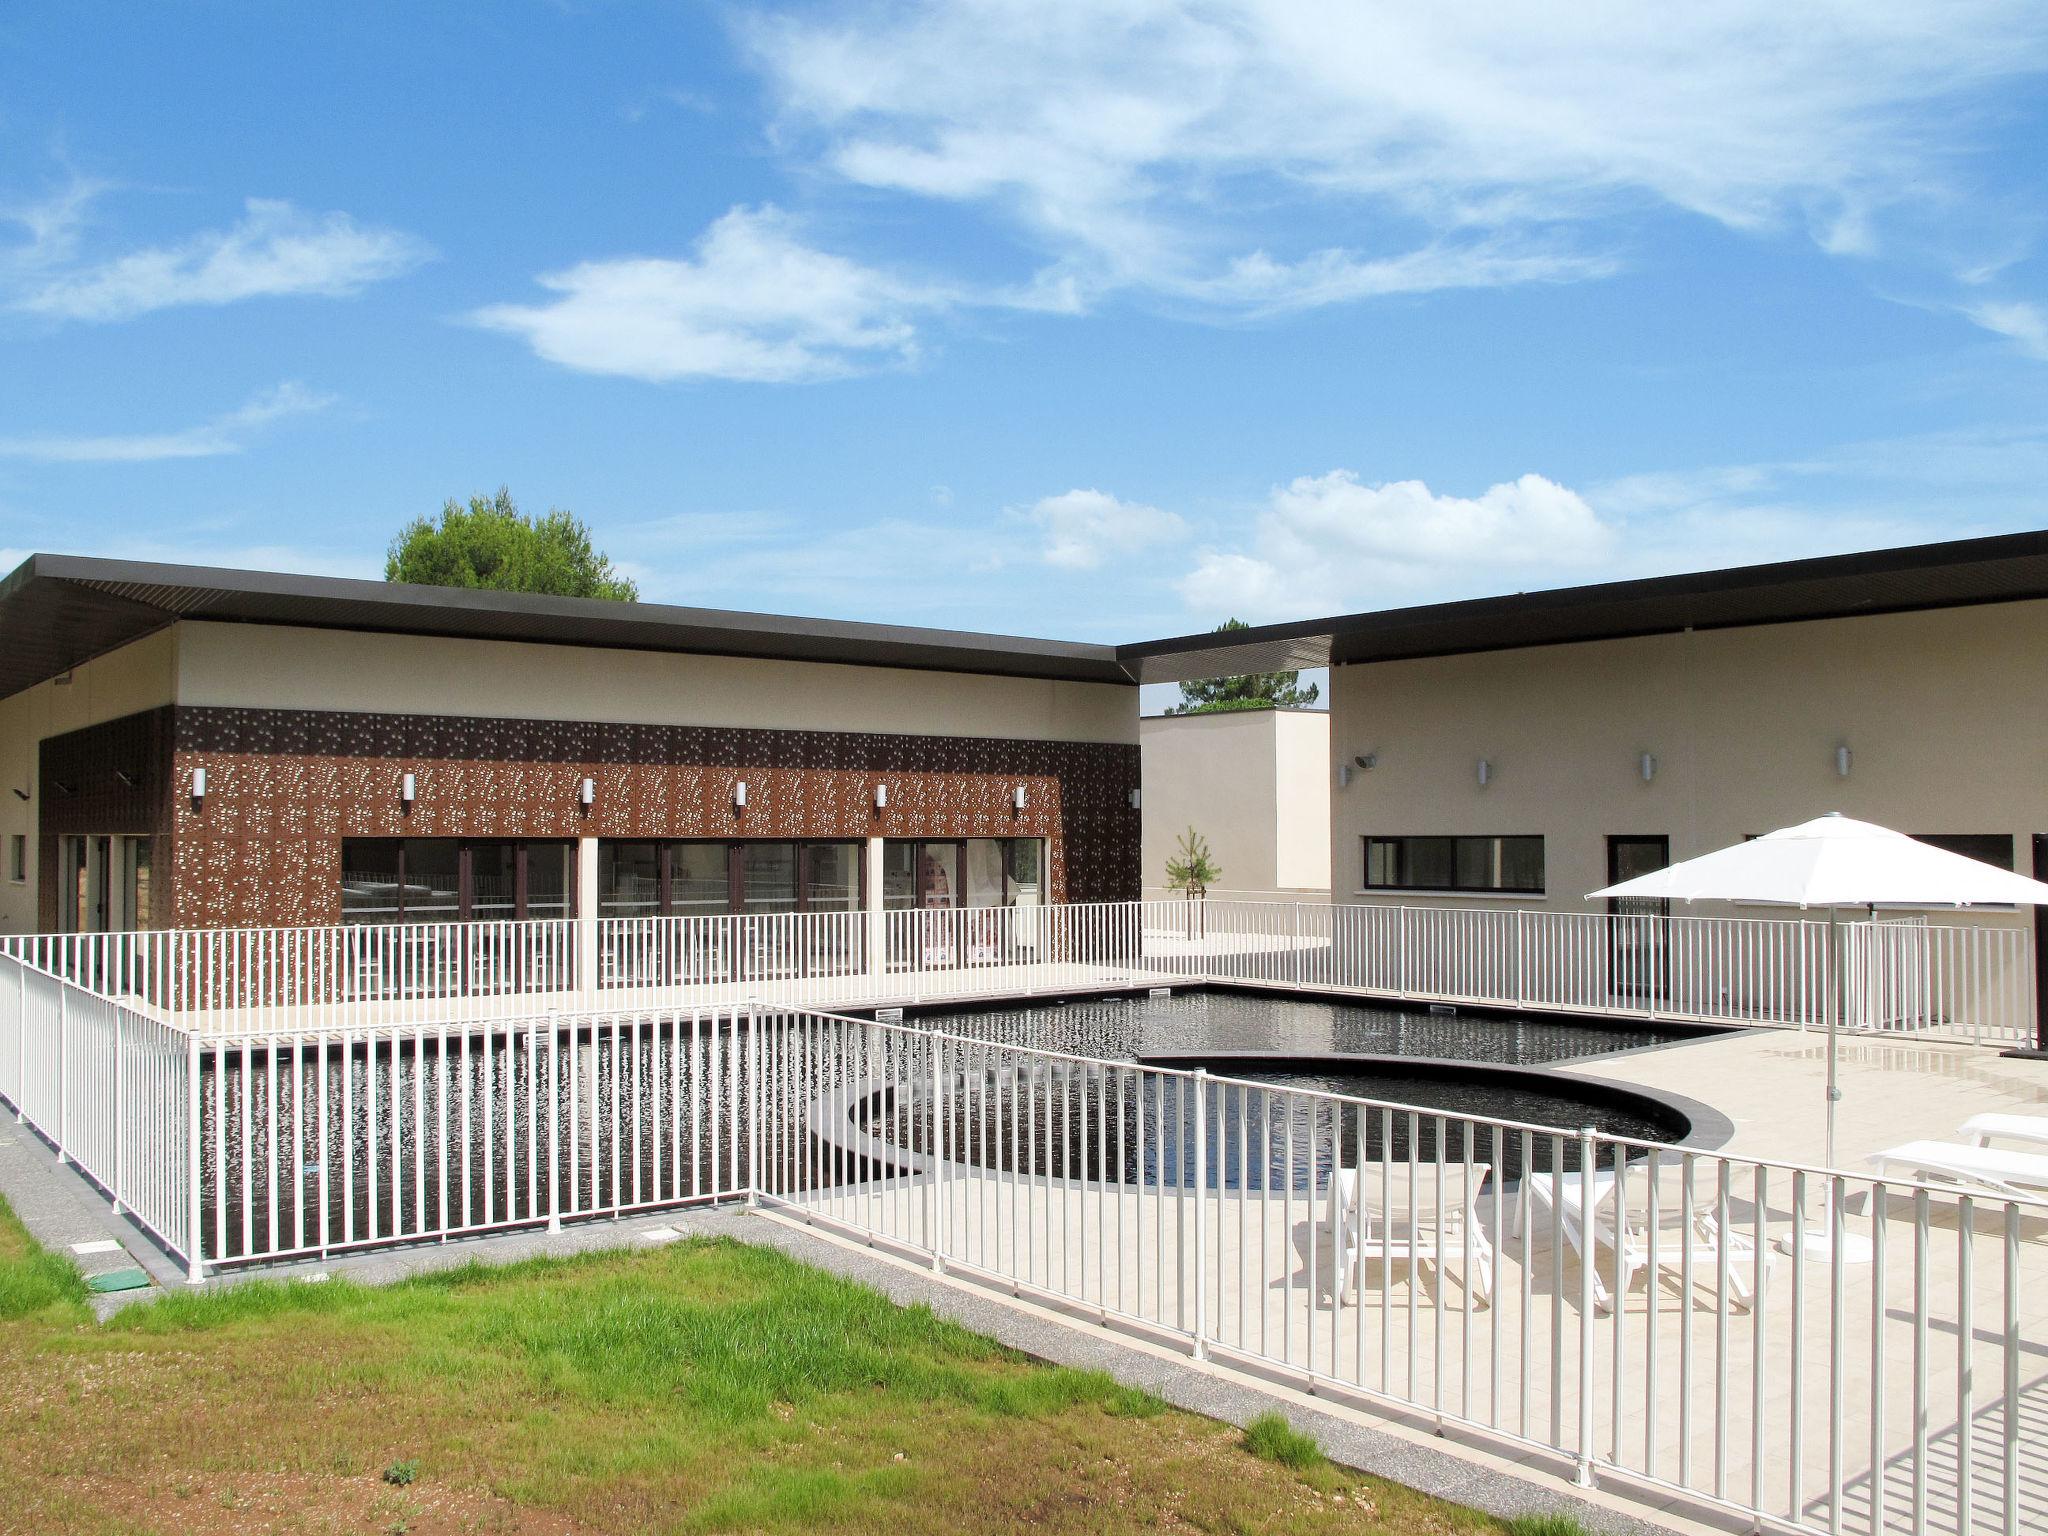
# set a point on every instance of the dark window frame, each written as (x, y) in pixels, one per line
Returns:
(1367, 840)
(465, 877)
(735, 868)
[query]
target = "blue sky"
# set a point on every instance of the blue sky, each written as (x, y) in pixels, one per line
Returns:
(1097, 319)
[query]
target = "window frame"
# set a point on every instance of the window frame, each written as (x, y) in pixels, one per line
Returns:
(465, 877)
(1368, 886)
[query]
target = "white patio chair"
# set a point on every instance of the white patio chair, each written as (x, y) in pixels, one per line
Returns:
(2031, 1130)
(1440, 1235)
(1681, 1235)
(2020, 1174)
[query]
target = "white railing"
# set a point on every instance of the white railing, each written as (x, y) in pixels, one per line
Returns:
(1661, 1322)
(314, 1143)
(1439, 1263)
(109, 1088)
(1967, 981)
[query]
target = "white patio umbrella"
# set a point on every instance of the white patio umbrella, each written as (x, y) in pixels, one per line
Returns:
(1835, 862)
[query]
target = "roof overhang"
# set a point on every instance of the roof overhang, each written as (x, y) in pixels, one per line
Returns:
(2006, 568)
(57, 611)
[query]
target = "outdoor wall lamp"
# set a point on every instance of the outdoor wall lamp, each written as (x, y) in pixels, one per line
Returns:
(1485, 772)
(1017, 798)
(1842, 760)
(586, 793)
(739, 795)
(1137, 799)
(198, 785)
(1368, 761)
(881, 797)
(1343, 775)
(1647, 766)
(407, 787)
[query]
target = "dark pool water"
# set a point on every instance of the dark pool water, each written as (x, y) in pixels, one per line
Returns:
(1193, 1023)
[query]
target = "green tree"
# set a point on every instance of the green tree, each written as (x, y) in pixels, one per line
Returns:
(1189, 868)
(1255, 690)
(491, 544)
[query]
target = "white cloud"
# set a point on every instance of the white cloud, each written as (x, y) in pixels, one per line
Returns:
(1323, 542)
(224, 434)
(1285, 152)
(275, 250)
(2025, 324)
(756, 304)
(1082, 528)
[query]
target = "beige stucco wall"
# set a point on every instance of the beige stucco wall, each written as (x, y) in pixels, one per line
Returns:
(1252, 782)
(1940, 711)
(273, 667)
(123, 682)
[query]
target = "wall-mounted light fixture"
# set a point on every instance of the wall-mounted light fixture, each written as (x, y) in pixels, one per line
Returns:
(739, 794)
(198, 785)
(1842, 760)
(1646, 765)
(586, 793)
(1017, 798)
(1485, 772)
(881, 797)
(1137, 799)
(1367, 761)
(408, 786)
(1343, 775)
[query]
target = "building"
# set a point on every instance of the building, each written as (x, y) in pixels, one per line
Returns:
(189, 748)
(1255, 784)
(1527, 750)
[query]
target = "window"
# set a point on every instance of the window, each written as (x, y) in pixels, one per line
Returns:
(17, 858)
(965, 872)
(1496, 865)
(1990, 847)
(716, 879)
(444, 880)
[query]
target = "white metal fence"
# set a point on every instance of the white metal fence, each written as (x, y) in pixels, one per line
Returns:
(1619, 1303)
(1971, 981)
(111, 1088)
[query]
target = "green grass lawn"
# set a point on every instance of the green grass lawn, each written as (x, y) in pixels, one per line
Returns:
(705, 1386)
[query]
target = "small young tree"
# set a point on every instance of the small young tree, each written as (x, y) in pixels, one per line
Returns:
(1189, 868)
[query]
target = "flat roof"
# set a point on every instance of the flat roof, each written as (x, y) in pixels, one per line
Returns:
(1959, 573)
(57, 611)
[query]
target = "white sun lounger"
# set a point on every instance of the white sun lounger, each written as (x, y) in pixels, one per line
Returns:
(1440, 1236)
(1696, 1236)
(1987, 1128)
(1956, 1162)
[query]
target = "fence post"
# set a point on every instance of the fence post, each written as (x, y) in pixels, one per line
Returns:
(63, 1069)
(936, 1185)
(1583, 1473)
(1201, 1081)
(554, 1121)
(120, 1181)
(754, 1104)
(20, 1036)
(195, 1268)
(1401, 954)
(1521, 961)
(1297, 944)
